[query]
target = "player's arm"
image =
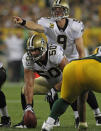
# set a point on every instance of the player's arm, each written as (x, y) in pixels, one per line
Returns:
(52, 93)
(80, 47)
(28, 24)
(29, 85)
(62, 64)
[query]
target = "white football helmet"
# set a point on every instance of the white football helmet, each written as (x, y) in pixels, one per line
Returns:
(60, 9)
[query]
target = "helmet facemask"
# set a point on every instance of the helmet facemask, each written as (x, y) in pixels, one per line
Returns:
(59, 12)
(60, 9)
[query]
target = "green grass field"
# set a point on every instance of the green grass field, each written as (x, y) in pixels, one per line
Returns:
(12, 92)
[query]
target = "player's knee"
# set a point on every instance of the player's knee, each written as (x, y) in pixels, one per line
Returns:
(2, 76)
(40, 90)
(66, 100)
(2, 100)
(69, 98)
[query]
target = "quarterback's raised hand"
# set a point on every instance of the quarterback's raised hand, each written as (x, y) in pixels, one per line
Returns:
(31, 25)
(18, 20)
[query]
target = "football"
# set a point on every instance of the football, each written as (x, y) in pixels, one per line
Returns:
(30, 119)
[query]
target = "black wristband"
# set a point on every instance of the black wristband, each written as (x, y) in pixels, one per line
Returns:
(23, 22)
(28, 105)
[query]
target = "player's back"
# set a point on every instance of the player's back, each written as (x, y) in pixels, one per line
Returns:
(84, 73)
(92, 74)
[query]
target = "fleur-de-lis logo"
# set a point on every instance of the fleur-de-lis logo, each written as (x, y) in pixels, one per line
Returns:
(51, 25)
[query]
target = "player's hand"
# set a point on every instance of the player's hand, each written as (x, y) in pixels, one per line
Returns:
(50, 96)
(28, 108)
(17, 20)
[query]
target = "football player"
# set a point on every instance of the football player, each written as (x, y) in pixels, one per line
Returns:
(67, 33)
(89, 71)
(5, 119)
(48, 61)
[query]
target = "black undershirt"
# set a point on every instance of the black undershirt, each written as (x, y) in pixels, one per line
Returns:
(65, 26)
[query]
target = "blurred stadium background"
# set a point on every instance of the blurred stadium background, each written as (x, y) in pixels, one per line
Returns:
(89, 11)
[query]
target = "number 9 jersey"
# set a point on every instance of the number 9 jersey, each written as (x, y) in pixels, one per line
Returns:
(66, 36)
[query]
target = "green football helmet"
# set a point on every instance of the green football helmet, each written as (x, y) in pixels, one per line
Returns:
(63, 9)
(36, 42)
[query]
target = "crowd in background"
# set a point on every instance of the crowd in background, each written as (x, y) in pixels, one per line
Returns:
(88, 11)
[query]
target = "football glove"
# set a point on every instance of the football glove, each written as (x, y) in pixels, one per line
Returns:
(50, 96)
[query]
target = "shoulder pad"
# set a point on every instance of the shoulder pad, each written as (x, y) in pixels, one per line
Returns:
(77, 25)
(46, 22)
(44, 19)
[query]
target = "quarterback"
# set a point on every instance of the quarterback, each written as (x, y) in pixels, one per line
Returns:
(48, 61)
(67, 33)
(89, 71)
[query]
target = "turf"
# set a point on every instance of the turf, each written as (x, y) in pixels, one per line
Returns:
(41, 108)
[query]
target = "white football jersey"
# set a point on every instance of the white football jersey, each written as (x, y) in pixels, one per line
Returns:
(64, 37)
(50, 68)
